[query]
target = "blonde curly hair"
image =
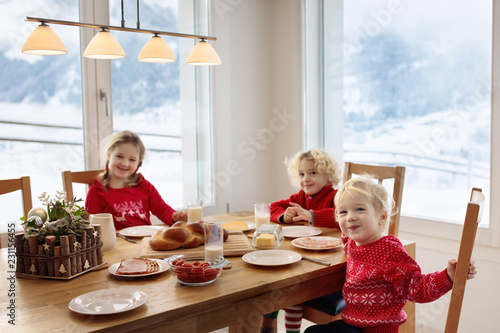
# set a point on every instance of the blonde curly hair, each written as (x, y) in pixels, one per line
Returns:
(368, 187)
(323, 163)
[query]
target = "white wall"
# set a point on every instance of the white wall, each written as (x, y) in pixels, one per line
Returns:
(256, 95)
(481, 299)
(259, 44)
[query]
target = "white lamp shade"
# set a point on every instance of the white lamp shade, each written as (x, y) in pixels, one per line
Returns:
(156, 50)
(44, 41)
(104, 46)
(203, 54)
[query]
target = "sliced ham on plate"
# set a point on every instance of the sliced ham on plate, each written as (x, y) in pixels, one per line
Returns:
(317, 243)
(136, 266)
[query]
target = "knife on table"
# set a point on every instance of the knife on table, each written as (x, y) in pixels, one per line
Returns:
(126, 238)
(317, 261)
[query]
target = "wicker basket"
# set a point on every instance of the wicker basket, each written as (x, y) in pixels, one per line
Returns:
(67, 260)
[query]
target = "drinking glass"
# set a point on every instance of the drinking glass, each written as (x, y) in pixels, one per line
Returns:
(262, 214)
(195, 210)
(214, 241)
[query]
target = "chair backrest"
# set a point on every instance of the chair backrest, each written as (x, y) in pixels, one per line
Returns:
(472, 219)
(81, 177)
(381, 173)
(23, 184)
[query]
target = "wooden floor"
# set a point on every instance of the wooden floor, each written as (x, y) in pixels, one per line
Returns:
(281, 324)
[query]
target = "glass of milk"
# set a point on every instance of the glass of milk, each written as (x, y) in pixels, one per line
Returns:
(262, 214)
(214, 241)
(195, 210)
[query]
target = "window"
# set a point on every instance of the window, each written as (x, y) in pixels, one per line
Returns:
(41, 122)
(146, 96)
(54, 119)
(415, 95)
(412, 94)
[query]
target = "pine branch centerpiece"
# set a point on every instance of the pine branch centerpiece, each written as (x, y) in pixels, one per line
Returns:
(58, 242)
(60, 218)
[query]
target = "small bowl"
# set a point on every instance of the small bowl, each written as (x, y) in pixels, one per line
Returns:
(191, 272)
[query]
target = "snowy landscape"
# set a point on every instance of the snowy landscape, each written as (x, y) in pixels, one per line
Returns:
(41, 120)
(414, 95)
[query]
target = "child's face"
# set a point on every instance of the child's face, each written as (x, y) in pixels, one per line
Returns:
(358, 219)
(311, 181)
(123, 160)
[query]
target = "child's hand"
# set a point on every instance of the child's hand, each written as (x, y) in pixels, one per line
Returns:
(289, 215)
(296, 213)
(452, 266)
(180, 216)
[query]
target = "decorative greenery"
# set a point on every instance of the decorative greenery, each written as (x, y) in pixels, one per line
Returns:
(64, 218)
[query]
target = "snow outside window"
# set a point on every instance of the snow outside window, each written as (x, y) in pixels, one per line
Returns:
(44, 128)
(409, 83)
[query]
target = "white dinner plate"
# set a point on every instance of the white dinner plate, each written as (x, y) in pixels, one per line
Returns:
(318, 243)
(107, 301)
(250, 226)
(271, 257)
(300, 231)
(141, 230)
(162, 263)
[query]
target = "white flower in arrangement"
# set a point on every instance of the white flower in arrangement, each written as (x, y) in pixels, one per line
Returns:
(60, 217)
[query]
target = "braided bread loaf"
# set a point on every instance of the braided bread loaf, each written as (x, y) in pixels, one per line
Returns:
(181, 234)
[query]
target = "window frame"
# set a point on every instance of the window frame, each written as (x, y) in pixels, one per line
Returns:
(197, 141)
(96, 76)
(333, 115)
(197, 147)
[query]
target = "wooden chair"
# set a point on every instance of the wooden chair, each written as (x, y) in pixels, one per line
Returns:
(23, 184)
(81, 177)
(472, 219)
(328, 308)
(12, 185)
(382, 173)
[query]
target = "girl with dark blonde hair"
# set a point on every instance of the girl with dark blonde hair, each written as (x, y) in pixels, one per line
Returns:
(125, 193)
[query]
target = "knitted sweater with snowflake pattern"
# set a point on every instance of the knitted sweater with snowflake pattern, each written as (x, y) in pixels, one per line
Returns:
(380, 278)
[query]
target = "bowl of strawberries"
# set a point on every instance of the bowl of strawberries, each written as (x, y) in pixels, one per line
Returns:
(192, 272)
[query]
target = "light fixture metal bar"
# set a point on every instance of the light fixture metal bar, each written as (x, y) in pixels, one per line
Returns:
(110, 27)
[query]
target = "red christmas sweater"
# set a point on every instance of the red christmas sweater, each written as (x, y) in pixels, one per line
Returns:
(130, 206)
(380, 278)
(321, 204)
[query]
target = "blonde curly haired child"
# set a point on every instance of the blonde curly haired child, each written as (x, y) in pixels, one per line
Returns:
(316, 173)
(381, 276)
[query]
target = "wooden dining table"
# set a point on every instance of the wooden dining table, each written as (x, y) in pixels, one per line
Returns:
(237, 299)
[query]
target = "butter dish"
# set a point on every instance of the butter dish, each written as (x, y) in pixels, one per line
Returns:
(268, 237)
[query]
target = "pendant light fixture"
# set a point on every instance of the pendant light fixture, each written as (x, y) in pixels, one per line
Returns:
(203, 54)
(156, 50)
(104, 46)
(44, 41)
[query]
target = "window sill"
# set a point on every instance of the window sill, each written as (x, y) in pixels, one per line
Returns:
(445, 237)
